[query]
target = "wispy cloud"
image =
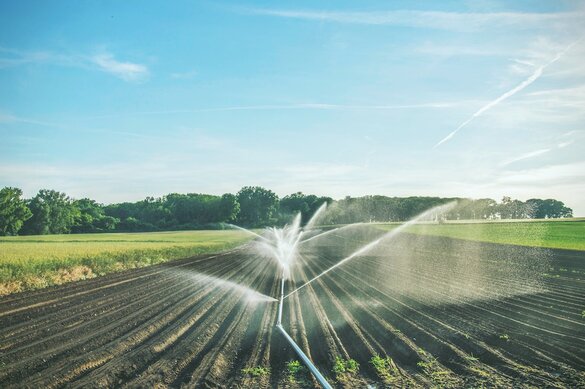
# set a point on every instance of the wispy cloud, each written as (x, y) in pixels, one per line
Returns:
(562, 145)
(567, 139)
(300, 106)
(127, 71)
(458, 21)
(529, 155)
(573, 97)
(184, 75)
(266, 107)
(13, 57)
(547, 175)
(104, 61)
(533, 77)
(7, 118)
(524, 62)
(441, 49)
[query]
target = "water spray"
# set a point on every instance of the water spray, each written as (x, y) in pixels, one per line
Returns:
(431, 214)
(282, 244)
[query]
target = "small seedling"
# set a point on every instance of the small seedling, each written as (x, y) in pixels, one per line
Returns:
(385, 368)
(294, 368)
(583, 314)
(344, 367)
(352, 366)
(256, 371)
(505, 337)
(339, 366)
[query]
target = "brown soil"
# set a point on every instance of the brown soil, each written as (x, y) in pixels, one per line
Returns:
(449, 327)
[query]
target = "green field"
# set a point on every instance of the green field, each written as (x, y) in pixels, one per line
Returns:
(560, 233)
(31, 262)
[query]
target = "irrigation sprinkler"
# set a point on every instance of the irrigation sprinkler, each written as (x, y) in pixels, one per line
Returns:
(282, 245)
(318, 376)
(312, 368)
(281, 300)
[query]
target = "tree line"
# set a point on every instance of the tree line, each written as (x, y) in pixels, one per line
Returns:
(53, 212)
(397, 209)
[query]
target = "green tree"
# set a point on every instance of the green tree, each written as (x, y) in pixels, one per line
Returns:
(258, 206)
(13, 211)
(92, 217)
(548, 208)
(484, 208)
(229, 208)
(307, 205)
(53, 213)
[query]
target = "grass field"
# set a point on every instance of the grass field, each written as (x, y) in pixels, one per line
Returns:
(31, 262)
(560, 233)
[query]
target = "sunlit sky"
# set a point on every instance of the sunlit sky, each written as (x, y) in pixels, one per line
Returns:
(119, 100)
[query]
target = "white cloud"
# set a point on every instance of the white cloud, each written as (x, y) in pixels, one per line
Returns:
(105, 61)
(524, 62)
(300, 106)
(127, 71)
(547, 175)
(562, 145)
(573, 97)
(14, 57)
(441, 49)
(456, 21)
(319, 171)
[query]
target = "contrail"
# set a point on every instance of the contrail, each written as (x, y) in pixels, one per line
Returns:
(537, 73)
(525, 156)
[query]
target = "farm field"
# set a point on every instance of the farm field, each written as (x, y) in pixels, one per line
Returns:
(31, 262)
(560, 233)
(419, 311)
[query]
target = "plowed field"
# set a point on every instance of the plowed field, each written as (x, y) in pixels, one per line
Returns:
(450, 313)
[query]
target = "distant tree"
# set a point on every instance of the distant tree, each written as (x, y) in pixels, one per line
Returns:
(189, 209)
(293, 203)
(53, 213)
(258, 206)
(549, 208)
(307, 205)
(131, 224)
(153, 211)
(92, 218)
(484, 208)
(13, 211)
(537, 209)
(121, 210)
(229, 208)
(381, 209)
(506, 208)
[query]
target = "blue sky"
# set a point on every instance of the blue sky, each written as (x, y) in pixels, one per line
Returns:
(121, 100)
